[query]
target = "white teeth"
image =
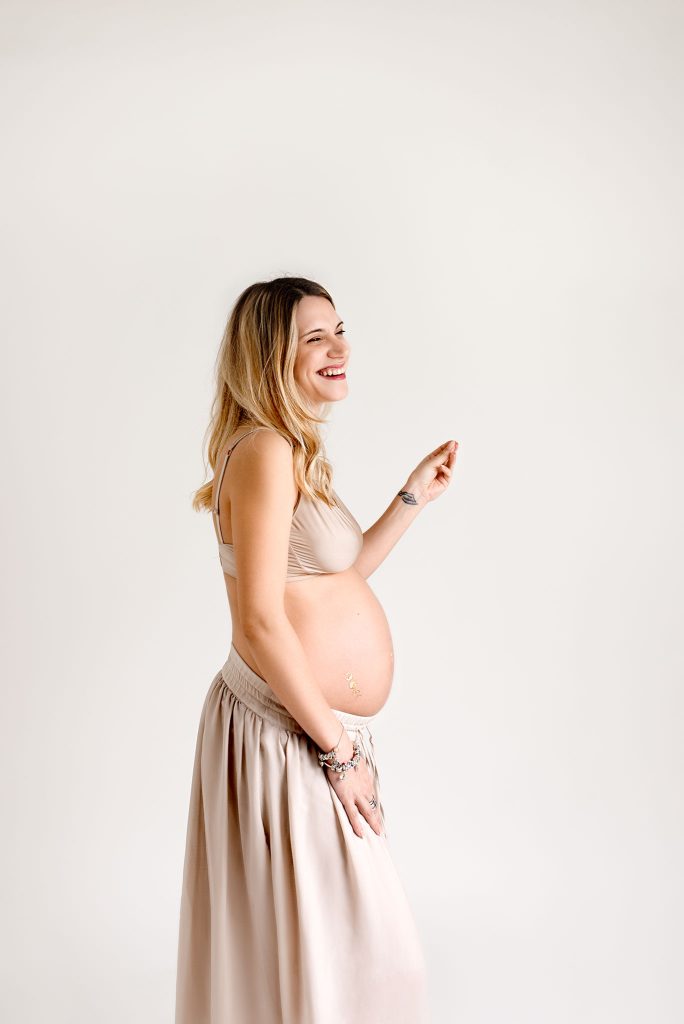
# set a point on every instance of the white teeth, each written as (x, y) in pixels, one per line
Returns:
(330, 373)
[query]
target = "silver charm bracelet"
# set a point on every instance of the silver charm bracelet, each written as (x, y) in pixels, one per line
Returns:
(330, 760)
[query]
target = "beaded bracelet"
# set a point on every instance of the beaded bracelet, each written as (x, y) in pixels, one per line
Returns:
(331, 761)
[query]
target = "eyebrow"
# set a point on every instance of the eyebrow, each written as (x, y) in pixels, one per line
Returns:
(319, 330)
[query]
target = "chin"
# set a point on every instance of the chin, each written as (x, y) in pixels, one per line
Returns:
(331, 399)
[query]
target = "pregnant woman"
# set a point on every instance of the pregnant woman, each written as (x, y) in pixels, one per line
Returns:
(292, 911)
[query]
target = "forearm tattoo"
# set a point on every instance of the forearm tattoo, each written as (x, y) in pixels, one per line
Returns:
(408, 497)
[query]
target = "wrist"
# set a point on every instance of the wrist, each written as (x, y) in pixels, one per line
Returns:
(345, 748)
(412, 494)
(342, 743)
(337, 762)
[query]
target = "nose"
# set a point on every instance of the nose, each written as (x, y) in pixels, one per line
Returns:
(342, 350)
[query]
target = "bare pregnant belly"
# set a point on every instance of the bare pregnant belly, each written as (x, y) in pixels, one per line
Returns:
(345, 634)
(347, 639)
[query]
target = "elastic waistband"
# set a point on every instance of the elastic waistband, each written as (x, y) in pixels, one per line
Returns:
(255, 692)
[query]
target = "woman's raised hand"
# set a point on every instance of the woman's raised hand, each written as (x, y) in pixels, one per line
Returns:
(432, 475)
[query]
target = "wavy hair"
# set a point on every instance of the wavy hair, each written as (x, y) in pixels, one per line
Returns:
(254, 374)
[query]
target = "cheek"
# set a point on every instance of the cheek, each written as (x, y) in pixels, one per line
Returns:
(303, 368)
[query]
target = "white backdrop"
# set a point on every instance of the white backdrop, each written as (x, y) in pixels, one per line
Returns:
(492, 194)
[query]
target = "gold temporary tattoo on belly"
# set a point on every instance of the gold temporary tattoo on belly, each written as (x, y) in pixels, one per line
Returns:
(353, 685)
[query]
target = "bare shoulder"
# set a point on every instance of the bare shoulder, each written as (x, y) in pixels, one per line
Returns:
(263, 447)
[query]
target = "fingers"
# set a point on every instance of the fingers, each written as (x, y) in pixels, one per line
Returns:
(371, 814)
(354, 803)
(354, 818)
(443, 448)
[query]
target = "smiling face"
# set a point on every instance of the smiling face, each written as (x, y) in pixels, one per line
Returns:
(320, 345)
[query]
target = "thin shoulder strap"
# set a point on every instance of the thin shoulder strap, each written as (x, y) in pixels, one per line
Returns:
(215, 509)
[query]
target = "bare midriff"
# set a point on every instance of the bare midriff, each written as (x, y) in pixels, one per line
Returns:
(344, 632)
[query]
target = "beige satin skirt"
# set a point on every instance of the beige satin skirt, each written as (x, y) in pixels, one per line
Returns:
(286, 915)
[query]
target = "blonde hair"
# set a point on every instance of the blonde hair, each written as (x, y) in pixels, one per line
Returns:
(254, 373)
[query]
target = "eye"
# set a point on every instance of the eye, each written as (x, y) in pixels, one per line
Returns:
(320, 339)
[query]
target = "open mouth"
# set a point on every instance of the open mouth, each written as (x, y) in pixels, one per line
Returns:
(337, 375)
